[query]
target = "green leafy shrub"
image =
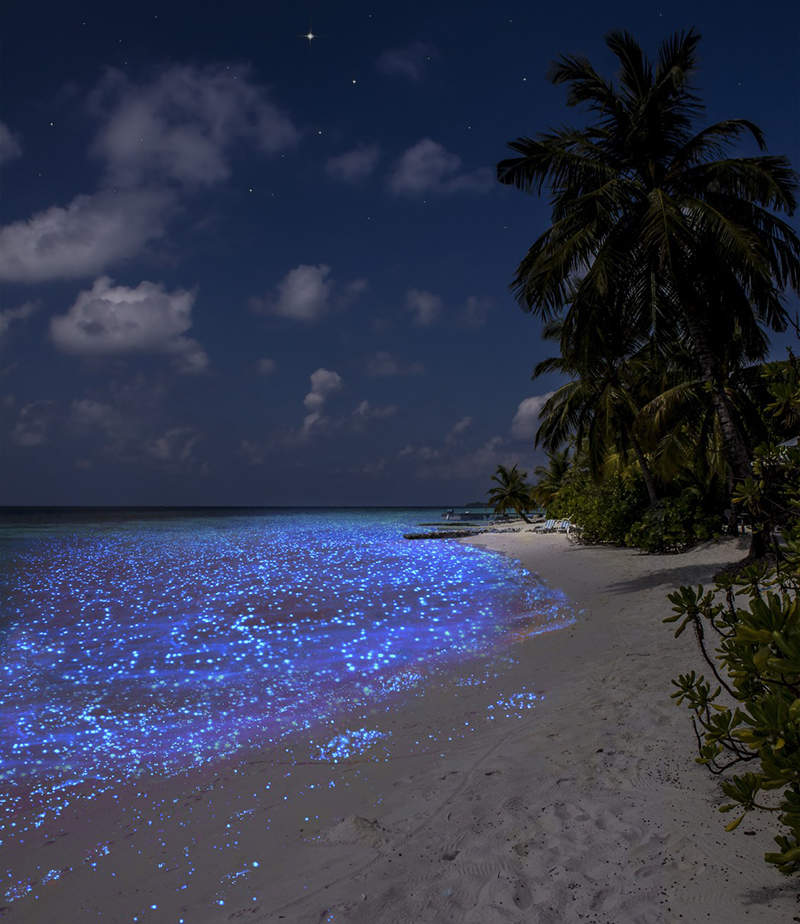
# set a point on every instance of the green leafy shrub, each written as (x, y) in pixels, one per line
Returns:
(617, 511)
(677, 523)
(607, 511)
(752, 716)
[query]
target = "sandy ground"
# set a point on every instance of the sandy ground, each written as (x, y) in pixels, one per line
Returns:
(586, 807)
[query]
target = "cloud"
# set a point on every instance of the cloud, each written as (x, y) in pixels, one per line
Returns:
(475, 311)
(324, 383)
(458, 428)
(352, 292)
(20, 313)
(354, 165)
(384, 364)
(304, 294)
(181, 125)
(176, 445)
(127, 420)
(410, 61)
(266, 366)
(83, 238)
(367, 411)
(468, 465)
(427, 167)
(33, 424)
(425, 306)
(87, 412)
(113, 320)
(178, 130)
(526, 420)
(10, 148)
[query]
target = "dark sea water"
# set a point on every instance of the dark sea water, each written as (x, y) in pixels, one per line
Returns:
(150, 641)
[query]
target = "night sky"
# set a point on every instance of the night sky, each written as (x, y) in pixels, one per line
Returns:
(245, 267)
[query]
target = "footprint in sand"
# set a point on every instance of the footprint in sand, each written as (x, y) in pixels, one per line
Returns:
(522, 898)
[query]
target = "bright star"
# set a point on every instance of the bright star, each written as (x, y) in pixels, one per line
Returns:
(310, 35)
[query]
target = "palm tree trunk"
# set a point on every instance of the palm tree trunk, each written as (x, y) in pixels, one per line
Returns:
(521, 512)
(646, 473)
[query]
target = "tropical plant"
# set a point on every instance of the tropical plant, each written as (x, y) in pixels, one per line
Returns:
(606, 510)
(551, 477)
(599, 408)
(656, 220)
(752, 717)
(680, 422)
(511, 491)
(755, 722)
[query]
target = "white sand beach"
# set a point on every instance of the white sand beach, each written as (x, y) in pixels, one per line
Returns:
(587, 806)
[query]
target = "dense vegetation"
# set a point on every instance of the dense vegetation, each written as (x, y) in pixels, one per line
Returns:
(748, 716)
(664, 269)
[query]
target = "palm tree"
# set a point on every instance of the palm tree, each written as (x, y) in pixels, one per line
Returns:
(511, 491)
(681, 420)
(599, 408)
(655, 219)
(551, 476)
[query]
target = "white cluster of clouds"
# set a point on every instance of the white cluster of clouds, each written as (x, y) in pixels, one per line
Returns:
(324, 384)
(175, 446)
(526, 420)
(458, 428)
(159, 140)
(91, 233)
(302, 294)
(454, 459)
(427, 167)
(307, 293)
(366, 411)
(181, 126)
(109, 320)
(426, 309)
(353, 166)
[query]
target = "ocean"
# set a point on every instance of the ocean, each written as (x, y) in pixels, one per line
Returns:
(151, 641)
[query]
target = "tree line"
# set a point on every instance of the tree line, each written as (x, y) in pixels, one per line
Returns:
(664, 269)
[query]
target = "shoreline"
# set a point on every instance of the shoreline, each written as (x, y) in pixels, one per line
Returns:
(576, 799)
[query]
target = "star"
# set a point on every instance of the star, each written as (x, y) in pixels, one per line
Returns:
(310, 36)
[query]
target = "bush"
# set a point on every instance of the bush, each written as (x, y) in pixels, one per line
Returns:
(607, 511)
(617, 511)
(677, 523)
(756, 721)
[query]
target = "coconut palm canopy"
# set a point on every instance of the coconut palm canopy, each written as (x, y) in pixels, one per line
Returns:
(652, 219)
(511, 491)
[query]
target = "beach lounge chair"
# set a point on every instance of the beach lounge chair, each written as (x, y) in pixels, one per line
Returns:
(544, 527)
(562, 527)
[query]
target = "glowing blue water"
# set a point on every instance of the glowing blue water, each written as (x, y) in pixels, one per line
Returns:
(152, 645)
